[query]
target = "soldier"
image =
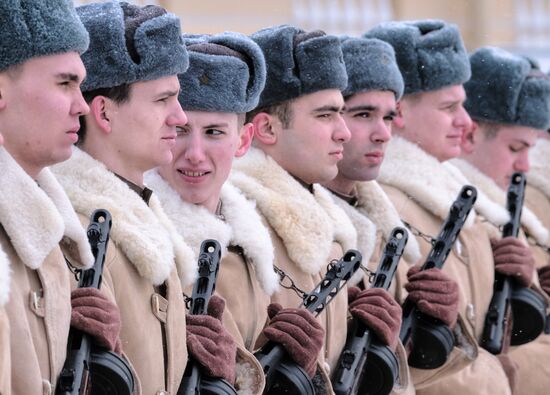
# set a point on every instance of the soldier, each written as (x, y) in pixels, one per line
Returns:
(507, 118)
(430, 122)
(40, 103)
(132, 87)
(225, 78)
(299, 137)
(370, 107)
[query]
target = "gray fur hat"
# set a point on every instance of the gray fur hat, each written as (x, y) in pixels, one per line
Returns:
(226, 73)
(430, 53)
(506, 88)
(299, 63)
(31, 28)
(371, 65)
(129, 43)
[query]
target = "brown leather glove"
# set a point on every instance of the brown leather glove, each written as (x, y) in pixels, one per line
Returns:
(511, 370)
(210, 344)
(514, 258)
(434, 293)
(97, 316)
(544, 278)
(297, 330)
(379, 311)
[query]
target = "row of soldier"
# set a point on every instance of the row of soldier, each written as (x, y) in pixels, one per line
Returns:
(277, 146)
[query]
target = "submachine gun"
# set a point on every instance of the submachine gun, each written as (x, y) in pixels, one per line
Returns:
(429, 340)
(88, 368)
(366, 366)
(513, 304)
(284, 376)
(193, 382)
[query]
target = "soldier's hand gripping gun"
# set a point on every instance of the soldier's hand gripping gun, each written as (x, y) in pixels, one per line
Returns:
(512, 304)
(366, 366)
(284, 376)
(193, 382)
(429, 340)
(88, 368)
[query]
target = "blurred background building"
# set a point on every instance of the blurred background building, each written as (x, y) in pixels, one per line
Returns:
(520, 26)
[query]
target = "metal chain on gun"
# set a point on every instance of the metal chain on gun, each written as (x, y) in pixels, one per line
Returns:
(369, 273)
(76, 272)
(417, 232)
(292, 286)
(290, 282)
(530, 239)
(187, 301)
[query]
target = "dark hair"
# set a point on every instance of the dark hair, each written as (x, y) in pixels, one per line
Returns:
(281, 111)
(490, 129)
(118, 94)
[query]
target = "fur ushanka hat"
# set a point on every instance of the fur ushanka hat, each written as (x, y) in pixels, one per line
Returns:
(226, 73)
(430, 53)
(299, 63)
(371, 66)
(507, 89)
(32, 28)
(130, 43)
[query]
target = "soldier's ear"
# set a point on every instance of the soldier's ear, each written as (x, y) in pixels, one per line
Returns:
(100, 107)
(398, 121)
(2, 95)
(245, 139)
(469, 138)
(265, 128)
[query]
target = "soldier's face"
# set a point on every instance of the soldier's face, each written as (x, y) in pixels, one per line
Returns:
(203, 155)
(435, 121)
(313, 144)
(369, 117)
(40, 103)
(502, 155)
(144, 126)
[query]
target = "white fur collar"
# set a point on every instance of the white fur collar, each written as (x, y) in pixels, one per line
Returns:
(433, 185)
(307, 223)
(143, 233)
(539, 175)
(374, 203)
(5, 274)
(490, 188)
(242, 227)
(37, 218)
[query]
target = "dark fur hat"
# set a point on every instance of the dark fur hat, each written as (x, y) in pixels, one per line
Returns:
(226, 73)
(430, 53)
(129, 43)
(371, 65)
(507, 88)
(299, 63)
(30, 28)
